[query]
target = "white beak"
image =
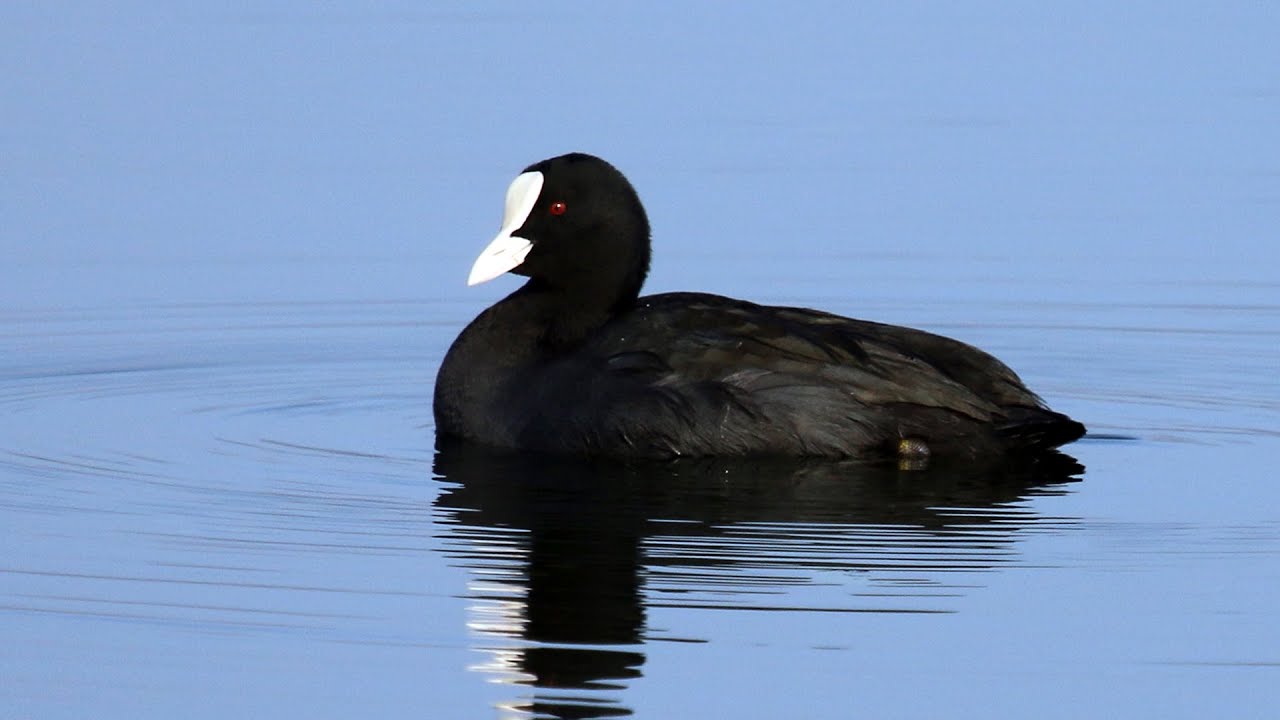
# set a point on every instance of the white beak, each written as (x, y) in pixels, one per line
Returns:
(507, 251)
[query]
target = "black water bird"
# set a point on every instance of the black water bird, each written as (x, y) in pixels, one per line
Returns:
(576, 362)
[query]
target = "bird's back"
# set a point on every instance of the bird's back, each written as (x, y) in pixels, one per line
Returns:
(698, 374)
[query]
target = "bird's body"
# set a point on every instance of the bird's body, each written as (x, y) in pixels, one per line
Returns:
(575, 362)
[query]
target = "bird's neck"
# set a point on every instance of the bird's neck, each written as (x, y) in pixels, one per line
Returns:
(560, 320)
(529, 327)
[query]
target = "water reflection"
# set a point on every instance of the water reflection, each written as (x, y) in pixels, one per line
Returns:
(567, 556)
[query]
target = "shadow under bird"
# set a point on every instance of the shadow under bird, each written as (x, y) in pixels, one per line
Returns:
(577, 362)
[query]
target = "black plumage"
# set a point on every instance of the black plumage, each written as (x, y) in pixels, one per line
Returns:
(575, 362)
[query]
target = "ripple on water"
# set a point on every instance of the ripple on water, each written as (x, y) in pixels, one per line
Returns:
(172, 464)
(239, 469)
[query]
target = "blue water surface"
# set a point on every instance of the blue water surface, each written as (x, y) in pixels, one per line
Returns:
(233, 245)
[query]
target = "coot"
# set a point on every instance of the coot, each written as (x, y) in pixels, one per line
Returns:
(576, 362)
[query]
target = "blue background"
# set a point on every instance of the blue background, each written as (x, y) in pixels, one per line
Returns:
(233, 241)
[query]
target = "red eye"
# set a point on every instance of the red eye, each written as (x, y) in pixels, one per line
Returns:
(557, 208)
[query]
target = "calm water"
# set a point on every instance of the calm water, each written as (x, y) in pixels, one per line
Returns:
(233, 251)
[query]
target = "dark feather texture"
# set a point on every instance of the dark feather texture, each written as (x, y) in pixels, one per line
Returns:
(574, 362)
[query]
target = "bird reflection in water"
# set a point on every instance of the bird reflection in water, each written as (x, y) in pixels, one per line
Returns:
(567, 554)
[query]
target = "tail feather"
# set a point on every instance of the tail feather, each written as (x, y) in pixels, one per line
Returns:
(1032, 428)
